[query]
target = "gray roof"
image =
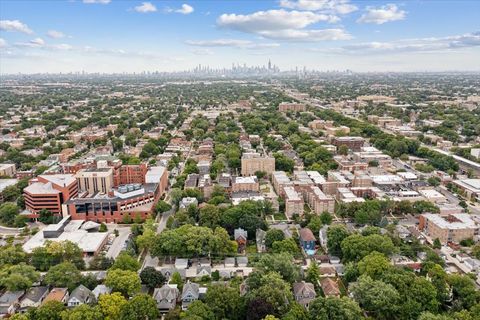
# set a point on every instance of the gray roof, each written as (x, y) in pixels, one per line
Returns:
(190, 287)
(35, 294)
(10, 297)
(242, 260)
(101, 289)
(166, 296)
(81, 293)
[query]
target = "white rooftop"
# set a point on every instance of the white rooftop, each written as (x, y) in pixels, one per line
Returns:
(464, 221)
(154, 174)
(7, 183)
(291, 194)
(62, 180)
(249, 179)
(431, 194)
(41, 188)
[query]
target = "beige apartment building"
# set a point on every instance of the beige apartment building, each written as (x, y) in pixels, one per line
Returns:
(95, 180)
(287, 106)
(7, 169)
(246, 184)
(293, 202)
(253, 162)
(448, 228)
(319, 202)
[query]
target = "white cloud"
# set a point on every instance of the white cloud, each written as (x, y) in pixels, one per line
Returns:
(330, 6)
(146, 7)
(271, 20)
(55, 34)
(202, 52)
(308, 35)
(62, 46)
(3, 43)
(34, 43)
(416, 45)
(14, 25)
(383, 14)
(185, 9)
(236, 43)
(97, 1)
(284, 25)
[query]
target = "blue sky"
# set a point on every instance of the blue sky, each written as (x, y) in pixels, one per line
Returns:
(133, 36)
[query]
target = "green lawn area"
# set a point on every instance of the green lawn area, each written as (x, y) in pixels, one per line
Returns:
(279, 216)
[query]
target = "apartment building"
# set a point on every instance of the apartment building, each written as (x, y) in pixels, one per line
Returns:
(287, 106)
(253, 162)
(293, 202)
(353, 143)
(449, 228)
(318, 201)
(7, 169)
(246, 184)
(95, 180)
(49, 192)
(279, 181)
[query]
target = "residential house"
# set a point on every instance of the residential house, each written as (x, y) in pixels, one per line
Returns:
(166, 297)
(240, 236)
(203, 271)
(33, 298)
(190, 293)
(81, 295)
(330, 287)
(99, 290)
(307, 240)
(9, 302)
(304, 293)
(260, 240)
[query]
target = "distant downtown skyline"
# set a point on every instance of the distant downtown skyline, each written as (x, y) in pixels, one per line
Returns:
(109, 36)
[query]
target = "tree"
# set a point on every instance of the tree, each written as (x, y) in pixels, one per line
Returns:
(46, 216)
(176, 278)
(8, 213)
(335, 235)
(198, 310)
(162, 207)
(288, 246)
(101, 262)
(124, 281)
(464, 292)
(124, 261)
(326, 218)
(296, 312)
(65, 274)
(209, 216)
(18, 277)
(111, 305)
(50, 310)
(140, 307)
(225, 302)
(476, 251)
(258, 308)
(281, 263)
(333, 308)
(152, 278)
(272, 236)
(356, 246)
(431, 316)
(12, 254)
(437, 244)
(373, 265)
(82, 312)
(271, 291)
(342, 150)
(313, 273)
(376, 297)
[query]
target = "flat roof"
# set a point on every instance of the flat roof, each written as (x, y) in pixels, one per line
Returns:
(291, 194)
(464, 221)
(59, 179)
(41, 188)
(249, 179)
(154, 174)
(7, 183)
(430, 193)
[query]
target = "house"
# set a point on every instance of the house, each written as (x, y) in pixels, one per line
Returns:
(57, 294)
(101, 289)
(304, 293)
(242, 262)
(307, 240)
(81, 295)
(260, 240)
(166, 297)
(190, 293)
(327, 271)
(240, 236)
(203, 271)
(330, 288)
(168, 272)
(229, 262)
(9, 302)
(181, 264)
(33, 298)
(322, 236)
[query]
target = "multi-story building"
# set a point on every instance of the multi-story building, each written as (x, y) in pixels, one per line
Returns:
(253, 162)
(279, 181)
(7, 169)
(319, 202)
(130, 174)
(245, 184)
(353, 143)
(95, 180)
(449, 228)
(470, 188)
(49, 192)
(288, 106)
(293, 202)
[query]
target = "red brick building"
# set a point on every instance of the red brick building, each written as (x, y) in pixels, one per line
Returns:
(49, 192)
(128, 174)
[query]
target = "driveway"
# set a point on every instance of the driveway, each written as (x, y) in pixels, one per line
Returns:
(118, 244)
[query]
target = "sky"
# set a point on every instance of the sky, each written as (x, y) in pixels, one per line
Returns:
(114, 36)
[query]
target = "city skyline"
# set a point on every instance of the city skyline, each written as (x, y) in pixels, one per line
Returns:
(133, 36)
